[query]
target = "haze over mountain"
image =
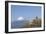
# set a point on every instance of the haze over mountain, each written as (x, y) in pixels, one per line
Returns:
(20, 22)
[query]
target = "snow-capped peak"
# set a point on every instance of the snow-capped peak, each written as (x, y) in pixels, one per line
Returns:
(20, 18)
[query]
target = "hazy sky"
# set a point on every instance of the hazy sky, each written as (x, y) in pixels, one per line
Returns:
(25, 11)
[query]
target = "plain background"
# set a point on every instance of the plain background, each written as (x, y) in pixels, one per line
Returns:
(2, 17)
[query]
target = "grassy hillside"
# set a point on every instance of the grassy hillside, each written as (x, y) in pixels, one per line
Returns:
(35, 23)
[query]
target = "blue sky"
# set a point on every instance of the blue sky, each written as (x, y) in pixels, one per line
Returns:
(25, 11)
